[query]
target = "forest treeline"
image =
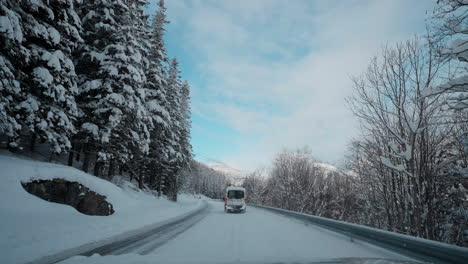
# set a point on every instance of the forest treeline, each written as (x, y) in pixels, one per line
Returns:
(199, 178)
(408, 171)
(92, 80)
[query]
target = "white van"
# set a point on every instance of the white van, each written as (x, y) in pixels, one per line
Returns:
(235, 199)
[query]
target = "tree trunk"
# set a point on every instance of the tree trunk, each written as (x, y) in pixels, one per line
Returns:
(86, 159)
(32, 143)
(70, 154)
(160, 185)
(174, 189)
(110, 172)
(151, 182)
(78, 151)
(160, 179)
(51, 156)
(140, 179)
(97, 168)
(131, 174)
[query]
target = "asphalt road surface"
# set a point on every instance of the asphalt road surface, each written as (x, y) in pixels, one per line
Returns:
(256, 236)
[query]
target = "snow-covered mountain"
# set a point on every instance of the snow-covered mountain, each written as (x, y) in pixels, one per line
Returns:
(236, 175)
(326, 167)
(329, 169)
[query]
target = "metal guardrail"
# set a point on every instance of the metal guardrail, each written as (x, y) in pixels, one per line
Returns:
(418, 248)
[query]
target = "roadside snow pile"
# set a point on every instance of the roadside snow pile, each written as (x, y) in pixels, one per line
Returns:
(31, 227)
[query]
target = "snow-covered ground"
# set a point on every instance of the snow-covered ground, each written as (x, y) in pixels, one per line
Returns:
(257, 236)
(31, 227)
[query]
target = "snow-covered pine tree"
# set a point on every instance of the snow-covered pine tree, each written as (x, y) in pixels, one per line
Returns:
(11, 52)
(142, 31)
(176, 156)
(182, 156)
(186, 124)
(156, 102)
(111, 74)
(45, 34)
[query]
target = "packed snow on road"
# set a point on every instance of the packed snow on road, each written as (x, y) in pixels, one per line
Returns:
(257, 236)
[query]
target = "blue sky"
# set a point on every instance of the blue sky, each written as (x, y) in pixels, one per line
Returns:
(273, 74)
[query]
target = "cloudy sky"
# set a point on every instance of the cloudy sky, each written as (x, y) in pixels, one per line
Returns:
(273, 74)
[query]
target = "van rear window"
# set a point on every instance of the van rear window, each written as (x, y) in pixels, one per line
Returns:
(235, 194)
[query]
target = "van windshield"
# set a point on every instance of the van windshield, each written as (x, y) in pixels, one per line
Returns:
(235, 194)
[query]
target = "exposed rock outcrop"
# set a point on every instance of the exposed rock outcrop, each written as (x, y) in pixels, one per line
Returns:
(71, 193)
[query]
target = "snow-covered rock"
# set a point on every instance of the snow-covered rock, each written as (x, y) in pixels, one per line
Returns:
(74, 194)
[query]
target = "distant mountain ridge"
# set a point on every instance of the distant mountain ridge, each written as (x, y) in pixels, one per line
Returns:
(327, 167)
(237, 176)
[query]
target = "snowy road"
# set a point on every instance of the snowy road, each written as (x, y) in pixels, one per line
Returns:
(257, 236)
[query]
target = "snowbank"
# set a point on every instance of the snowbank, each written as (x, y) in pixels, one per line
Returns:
(31, 227)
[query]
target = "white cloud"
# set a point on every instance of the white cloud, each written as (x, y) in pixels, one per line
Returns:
(282, 68)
